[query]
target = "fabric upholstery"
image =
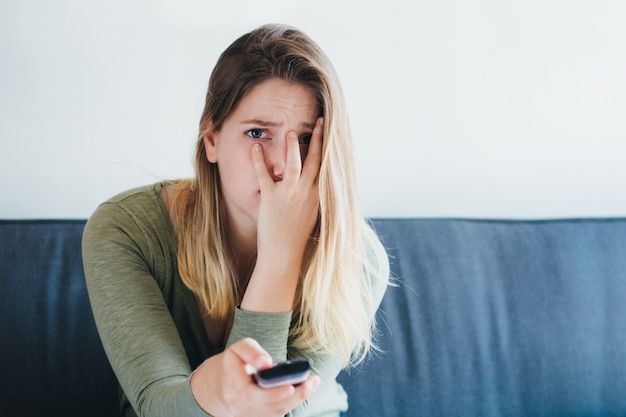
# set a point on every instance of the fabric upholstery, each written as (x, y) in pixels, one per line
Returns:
(52, 361)
(500, 318)
(487, 318)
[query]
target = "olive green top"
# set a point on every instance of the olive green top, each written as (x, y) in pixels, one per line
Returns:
(150, 324)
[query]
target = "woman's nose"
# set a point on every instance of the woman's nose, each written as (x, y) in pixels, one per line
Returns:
(277, 170)
(277, 159)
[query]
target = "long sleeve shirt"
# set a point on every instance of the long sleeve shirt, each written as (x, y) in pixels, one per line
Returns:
(149, 322)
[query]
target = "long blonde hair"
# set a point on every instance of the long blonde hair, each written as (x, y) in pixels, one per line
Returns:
(334, 304)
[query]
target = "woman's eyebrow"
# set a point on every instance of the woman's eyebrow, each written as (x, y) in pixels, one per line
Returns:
(260, 122)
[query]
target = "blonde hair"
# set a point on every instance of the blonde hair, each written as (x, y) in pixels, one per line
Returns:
(334, 305)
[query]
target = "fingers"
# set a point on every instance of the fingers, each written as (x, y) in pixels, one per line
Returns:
(246, 398)
(296, 166)
(308, 387)
(263, 176)
(285, 398)
(313, 160)
(249, 352)
(294, 396)
(293, 164)
(222, 385)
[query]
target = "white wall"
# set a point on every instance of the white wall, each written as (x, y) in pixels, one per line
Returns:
(459, 108)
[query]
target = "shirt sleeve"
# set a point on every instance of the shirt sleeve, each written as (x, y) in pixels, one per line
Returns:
(141, 339)
(270, 330)
(133, 320)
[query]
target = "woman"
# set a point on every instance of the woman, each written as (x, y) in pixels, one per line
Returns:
(263, 256)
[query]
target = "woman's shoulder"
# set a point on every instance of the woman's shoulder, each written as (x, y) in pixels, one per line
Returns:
(137, 210)
(142, 195)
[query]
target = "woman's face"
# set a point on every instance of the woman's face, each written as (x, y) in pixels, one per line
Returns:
(266, 114)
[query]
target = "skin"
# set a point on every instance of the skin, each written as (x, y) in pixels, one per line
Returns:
(269, 183)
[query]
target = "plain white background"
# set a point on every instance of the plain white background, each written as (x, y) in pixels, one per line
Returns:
(499, 109)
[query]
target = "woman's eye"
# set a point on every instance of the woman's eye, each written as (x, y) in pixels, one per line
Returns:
(305, 139)
(256, 133)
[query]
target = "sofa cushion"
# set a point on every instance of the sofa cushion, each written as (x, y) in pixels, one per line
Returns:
(499, 318)
(488, 318)
(52, 361)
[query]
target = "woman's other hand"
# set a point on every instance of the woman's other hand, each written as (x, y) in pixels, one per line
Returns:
(223, 385)
(288, 211)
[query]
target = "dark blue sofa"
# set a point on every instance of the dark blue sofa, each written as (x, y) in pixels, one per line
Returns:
(488, 318)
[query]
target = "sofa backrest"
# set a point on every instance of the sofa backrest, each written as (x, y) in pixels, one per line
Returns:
(52, 361)
(487, 318)
(499, 318)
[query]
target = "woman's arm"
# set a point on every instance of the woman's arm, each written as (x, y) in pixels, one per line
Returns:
(134, 323)
(288, 211)
(142, 342)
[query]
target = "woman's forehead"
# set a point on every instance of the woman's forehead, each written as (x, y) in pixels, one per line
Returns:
(274, 100)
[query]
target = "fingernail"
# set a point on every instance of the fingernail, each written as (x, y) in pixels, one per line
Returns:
(256, 147)
(249, 369)
(321, 121)
(263, 362)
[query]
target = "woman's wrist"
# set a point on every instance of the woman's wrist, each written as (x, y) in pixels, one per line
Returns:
(204, 392)
(273, 284)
